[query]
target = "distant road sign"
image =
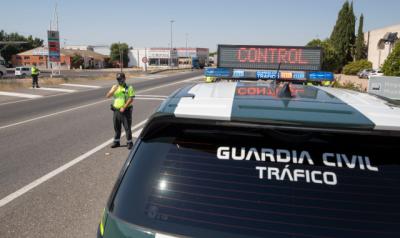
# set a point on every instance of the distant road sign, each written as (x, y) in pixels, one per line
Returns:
(144, 59)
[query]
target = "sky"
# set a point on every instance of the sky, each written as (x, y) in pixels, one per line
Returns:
(204, 23)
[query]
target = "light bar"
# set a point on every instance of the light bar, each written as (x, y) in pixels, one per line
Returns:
(227, 73)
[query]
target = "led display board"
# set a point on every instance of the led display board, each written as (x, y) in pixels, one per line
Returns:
(269, 57)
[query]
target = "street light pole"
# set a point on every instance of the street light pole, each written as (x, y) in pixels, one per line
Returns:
(170, 52)
(120, 56)
(187, 55)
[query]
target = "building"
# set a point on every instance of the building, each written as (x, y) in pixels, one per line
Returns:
(39, 56)
(185, 55)
(160, 57)
(79, 47)
(379, 43)
(153, 57)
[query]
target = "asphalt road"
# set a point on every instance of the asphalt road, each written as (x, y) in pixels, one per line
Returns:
(40, 136)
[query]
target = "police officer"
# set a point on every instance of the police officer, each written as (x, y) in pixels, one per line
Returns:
(35, 75)
(122, 106)
(209, 79)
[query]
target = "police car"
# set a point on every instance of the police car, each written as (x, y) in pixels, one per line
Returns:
(261, 159)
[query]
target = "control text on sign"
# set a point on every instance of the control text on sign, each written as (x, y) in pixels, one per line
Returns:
(269, 57)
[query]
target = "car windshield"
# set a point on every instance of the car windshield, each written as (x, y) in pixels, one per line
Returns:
(235, 182)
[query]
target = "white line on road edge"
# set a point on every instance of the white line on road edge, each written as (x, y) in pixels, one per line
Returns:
(140, 98)
(60, 169)
(170, 84)
(80, 85)
(91, 104)
(52, 114)
(21, 95)
(57, 89)
(152, 96)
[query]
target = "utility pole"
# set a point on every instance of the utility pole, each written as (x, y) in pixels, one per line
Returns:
(121, 59)
(187, 53)
(170, 52)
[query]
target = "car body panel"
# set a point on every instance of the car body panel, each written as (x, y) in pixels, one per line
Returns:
(328, 107)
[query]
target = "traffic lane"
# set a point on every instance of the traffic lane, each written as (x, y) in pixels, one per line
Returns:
(30, 150)
(69, 205)
(24, 110)
(48, 90)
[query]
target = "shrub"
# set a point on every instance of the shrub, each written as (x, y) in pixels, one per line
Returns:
(391, 67)
(354, 67)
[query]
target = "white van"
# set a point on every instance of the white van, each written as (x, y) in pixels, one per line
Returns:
(22, 71)
(3, 69)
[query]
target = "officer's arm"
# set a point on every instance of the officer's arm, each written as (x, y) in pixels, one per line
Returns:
(111, 92)
(128, 102)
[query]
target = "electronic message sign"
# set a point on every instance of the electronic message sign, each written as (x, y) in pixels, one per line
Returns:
(269, 57)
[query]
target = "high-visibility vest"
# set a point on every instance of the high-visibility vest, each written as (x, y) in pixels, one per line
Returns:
(209, 79)
(326, 83)
(122, 94)
(34, 70)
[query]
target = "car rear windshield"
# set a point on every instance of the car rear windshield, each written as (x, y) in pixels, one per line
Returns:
(210, 181)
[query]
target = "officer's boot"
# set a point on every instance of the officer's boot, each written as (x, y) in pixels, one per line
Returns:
(115, 145)
(129, 145)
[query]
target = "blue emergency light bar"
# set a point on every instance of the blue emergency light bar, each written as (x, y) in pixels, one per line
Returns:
(227, 73)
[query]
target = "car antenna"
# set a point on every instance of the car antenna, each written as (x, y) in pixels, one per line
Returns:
(277, 75)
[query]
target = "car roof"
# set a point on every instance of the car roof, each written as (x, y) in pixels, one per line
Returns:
(310, 106)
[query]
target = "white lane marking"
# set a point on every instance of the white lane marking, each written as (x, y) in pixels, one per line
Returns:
(170, 84)
(57, 89)
(80, 85)
(60, 169)
(52, 114)
(154, 76)
(153, 96)
(159, 99)
(90, 104)
(25, 100)
(21, 95)
(136, 134)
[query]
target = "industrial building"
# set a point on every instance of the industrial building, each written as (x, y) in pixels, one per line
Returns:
(380, 43)
(185, 55)
(160, 57)
(95, 56)
(153, 57)
(39, 56)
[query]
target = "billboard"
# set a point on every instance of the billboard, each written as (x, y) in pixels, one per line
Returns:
(53, 38)
(269, 57)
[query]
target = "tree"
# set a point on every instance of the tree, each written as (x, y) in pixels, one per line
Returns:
(116, 49)
(391, 66)
(77, 61)
(330, 60)
(343, 35)
(354, 67)
(361, 49)
(7, 50)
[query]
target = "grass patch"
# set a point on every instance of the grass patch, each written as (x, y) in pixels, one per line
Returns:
(12, 84)
(348, 85)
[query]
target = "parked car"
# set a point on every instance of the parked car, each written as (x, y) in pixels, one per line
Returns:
(363, 74)
(376, 72)
(22, 71)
